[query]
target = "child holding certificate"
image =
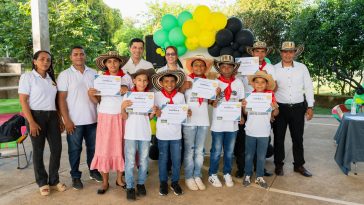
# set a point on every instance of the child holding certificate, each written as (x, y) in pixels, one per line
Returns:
(137, 136)
(223, 131)
(169, 135)
(257, 127)
(109, 138)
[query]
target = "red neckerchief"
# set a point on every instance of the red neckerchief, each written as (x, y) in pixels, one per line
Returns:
(269, 91)
(135, 90)
(170, 96)
(119, 73)
(263, 65)
(192, 75)
(228, 89)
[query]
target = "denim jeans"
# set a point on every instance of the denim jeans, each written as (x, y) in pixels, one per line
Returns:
(221, 140)
(131, 147)
(175, 152)
(87, 132)
(258, 145)
(194, 142)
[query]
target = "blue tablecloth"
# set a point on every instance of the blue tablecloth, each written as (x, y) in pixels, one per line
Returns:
(349, 138)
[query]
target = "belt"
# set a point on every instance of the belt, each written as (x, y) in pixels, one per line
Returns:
(291, 105)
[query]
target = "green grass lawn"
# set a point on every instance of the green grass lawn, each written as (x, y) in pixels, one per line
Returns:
(9, 106)
(322, 111)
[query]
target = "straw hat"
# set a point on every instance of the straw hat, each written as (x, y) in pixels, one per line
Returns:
(266, 76)
(156, 78)
(148, 72)
(226, 59)
(190, 60)
(100, 61)
(259, 44)
(290, 46)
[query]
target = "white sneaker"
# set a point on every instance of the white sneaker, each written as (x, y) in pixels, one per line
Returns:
(214, 180)
(228, 180)
(260, 181)
(191, 184)
(199, 183)
(246, 181)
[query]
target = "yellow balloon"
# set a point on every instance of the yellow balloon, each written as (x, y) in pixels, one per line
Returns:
(206, 38)
(158, 50)
(207, 24)
(194, 40)
(163, 54)
(219, 19)
(190, 44)
(190, 28)
(201, 13)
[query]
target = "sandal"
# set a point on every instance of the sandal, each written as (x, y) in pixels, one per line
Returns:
(121, 185)
(59, 187)
(103, 190)
(44, 190)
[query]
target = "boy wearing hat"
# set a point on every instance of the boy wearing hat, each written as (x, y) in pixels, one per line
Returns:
(224, 132)
(257, 128)
(294, 82)
(169, 135)
(137, 136)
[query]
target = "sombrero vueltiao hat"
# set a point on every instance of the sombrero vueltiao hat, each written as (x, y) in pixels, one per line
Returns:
(148, 72)
(259, 44)
(100, 61)
(290, 46)
(263, 74)
(189, 62)
(180, 75)
(226, 59)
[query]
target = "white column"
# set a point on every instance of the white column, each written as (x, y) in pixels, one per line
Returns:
(40, 25)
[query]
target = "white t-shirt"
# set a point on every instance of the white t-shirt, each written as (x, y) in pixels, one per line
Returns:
(127, 81)
(200, 115)
(41, 91)
(81, 109)
(167, 131)
(237, 94)
(131, 68)
(258, 124)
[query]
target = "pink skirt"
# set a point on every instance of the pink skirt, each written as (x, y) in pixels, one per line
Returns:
(109, 150)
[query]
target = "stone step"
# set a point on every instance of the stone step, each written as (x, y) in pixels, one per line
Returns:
(9, 74)
(9, 88)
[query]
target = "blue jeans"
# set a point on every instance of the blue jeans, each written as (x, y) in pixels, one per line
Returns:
(131, 147)
(258, 145)
(221, 140)
(87, 132)
(167, 147)
(194, 141)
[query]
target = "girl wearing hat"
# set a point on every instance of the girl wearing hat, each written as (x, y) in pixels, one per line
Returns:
(257, 128)
(109, 134)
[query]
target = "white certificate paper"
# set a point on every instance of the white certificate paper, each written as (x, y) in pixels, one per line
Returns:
(259, 102)
(248, 65)
(204, 88)
(143, 102)
(107, 85)
(174, 114)
(228, 111)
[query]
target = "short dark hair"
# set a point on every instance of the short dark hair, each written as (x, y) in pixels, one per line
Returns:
(168, 76)
(136, 40)
(76, 47)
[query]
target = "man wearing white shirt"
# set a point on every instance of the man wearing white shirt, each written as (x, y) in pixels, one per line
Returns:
(294, 82)
(136, 62)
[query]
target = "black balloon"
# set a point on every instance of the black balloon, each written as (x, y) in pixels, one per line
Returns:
(235, 45)
(246, 55)
(214, 50)
(227, 51)
(244, 37)
(242, 49)
(234, 24)
(236, 54)
(224, 37)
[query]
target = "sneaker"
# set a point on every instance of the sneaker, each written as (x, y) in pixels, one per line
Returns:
(246, 181)
(96, 176)
(228, 180)
(130, 194)
(163, 189)
(141, 191)
(191, 184)
(77, 184)
(214, 180)
(176, 188)
(260, 181)
(199, 183)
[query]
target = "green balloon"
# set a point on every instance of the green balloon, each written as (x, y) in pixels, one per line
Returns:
(160, 36)
(166, 44)
(176, 37)
(181, 50)
(169, 21)
(348, 101)
(184, 16)
(267, 60)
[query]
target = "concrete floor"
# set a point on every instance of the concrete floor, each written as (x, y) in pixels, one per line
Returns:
(328, 185)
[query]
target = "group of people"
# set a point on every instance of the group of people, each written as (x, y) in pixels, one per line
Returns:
(119, 140)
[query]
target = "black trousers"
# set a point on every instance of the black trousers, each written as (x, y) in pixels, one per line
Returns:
(292, 116)
(49, 124)
(239, 148)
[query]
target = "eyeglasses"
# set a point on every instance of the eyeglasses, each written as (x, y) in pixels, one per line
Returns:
(170, 54)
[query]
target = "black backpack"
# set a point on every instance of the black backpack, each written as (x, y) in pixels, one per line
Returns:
(11, 129)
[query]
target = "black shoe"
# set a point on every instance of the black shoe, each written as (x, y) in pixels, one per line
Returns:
(239, 174)
(102, 190)
(267, 174)
(130, 194)
(96, 176)
(163, 189)
(176, 188)
(77, 184)
(279, 171)
(141, 191)
(302, 171)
